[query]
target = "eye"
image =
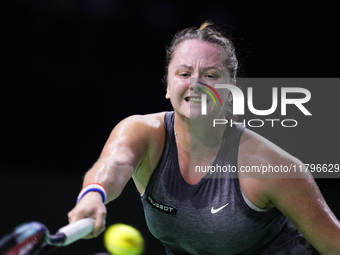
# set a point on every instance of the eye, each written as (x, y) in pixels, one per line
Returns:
(211, 76)
(184, 75)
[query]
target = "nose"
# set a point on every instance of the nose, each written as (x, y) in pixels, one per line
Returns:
(196, 86)
(196, 82)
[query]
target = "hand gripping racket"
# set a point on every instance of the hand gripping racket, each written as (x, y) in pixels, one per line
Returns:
(33, 238)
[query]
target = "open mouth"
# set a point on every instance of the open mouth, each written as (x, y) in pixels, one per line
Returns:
(195, 100)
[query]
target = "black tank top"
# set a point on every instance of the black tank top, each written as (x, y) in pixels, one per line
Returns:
(212, 217)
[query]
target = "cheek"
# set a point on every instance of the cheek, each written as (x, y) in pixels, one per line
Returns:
(178, 85)
(182, 83)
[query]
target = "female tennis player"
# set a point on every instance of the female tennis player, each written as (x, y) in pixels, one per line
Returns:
(229, 213)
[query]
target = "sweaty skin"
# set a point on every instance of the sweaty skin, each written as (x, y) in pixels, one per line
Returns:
(135, 146)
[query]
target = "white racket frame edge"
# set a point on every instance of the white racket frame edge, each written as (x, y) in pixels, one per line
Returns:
(77, 230)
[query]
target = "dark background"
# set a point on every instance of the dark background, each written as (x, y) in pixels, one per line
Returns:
(71, 70)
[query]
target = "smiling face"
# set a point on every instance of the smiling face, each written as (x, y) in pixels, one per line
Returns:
(194, 59)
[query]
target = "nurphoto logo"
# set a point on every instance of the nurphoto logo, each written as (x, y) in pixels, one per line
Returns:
(301, 97)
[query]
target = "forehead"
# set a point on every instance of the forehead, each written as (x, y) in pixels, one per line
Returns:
(193, 52)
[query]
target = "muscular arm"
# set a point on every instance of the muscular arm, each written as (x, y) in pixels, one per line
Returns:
(297, 196)
(122, 153)
(130, 150)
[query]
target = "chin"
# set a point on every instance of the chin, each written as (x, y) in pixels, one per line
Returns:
(196, 115)
(194, 112)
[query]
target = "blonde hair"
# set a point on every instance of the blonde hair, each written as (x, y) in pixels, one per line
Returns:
(205, 24)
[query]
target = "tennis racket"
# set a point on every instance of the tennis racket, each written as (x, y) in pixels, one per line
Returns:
(33, 238)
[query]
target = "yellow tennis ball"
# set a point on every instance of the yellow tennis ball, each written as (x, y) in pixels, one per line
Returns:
(121, 239)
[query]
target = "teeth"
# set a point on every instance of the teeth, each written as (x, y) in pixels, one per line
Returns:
(196, 100)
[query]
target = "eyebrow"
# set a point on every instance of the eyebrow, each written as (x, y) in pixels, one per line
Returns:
(204, 68)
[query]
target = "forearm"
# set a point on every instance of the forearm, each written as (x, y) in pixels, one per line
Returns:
(113, 176)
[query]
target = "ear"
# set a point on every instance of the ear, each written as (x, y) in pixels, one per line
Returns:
(230, 96)
(167, 95)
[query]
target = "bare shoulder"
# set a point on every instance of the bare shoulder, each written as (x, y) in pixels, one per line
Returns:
(142, 123)
(152, 127)
(294, 193)
(255, 150)
(146, 135)
(139, 130)
(136, 137)
(153, 119)
(265, 167)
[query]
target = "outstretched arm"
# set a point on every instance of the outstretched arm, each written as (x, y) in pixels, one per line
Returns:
(124, 151)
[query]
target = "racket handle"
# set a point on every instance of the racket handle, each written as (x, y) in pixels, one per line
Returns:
(77, 230)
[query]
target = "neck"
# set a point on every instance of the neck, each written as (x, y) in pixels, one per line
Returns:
(199, 137)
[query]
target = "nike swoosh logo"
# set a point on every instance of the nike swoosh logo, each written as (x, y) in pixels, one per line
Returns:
(213, 211)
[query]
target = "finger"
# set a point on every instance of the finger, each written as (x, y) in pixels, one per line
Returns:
(89, 236)
(70, 216)
(73, 216)
(77, 213)
(99, 225)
